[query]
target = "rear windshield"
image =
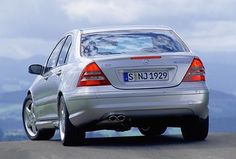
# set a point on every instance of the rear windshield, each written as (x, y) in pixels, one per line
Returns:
(109, 43)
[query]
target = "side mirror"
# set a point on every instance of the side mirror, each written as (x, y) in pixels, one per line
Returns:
(36, 69)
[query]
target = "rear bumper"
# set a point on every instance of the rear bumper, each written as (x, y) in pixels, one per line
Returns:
(184, 100)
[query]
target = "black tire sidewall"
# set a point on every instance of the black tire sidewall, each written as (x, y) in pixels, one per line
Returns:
(153, 131)
(72, 136)
(197, 130)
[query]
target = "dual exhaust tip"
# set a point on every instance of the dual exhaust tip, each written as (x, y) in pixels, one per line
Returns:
(119, 118)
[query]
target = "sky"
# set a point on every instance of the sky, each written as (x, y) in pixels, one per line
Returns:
(31, 28)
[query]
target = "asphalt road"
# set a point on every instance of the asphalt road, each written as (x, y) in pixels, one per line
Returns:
(217, 146)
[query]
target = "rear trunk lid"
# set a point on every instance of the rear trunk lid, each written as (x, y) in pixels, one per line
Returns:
(143, 72)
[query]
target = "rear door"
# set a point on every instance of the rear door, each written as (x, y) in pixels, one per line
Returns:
(46, 94)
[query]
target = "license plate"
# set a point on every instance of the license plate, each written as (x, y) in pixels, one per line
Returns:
(146, 76)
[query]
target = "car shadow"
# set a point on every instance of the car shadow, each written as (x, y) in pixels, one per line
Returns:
(135, 141)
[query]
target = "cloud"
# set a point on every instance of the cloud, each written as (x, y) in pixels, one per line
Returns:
(208, 26)
(151, 11)
(32, 19)
(213, 36)
(31, 27)
(104, 12)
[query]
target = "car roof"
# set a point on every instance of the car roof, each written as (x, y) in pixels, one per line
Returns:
(123, 28)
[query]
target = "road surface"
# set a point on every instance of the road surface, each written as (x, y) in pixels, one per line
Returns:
(217, 146)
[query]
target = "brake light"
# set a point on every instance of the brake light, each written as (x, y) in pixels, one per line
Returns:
(145, 57)
(196, 71)
(92, 75)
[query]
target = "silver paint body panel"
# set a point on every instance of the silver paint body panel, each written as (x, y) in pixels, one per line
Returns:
(88, 104)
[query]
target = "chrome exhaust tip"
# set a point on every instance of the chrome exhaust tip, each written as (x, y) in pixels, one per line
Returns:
(112, 118)
(121, 118)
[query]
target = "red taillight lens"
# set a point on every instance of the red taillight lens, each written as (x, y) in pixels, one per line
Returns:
(92, 75)
(196, 71)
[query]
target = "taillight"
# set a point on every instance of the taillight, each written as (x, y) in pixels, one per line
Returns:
(196, 71)
(92, 75)
(145, 57)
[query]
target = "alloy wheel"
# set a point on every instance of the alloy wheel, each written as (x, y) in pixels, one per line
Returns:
(30, 119)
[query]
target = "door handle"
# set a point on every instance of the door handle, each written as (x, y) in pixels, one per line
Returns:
(59, 73)
(46, 77)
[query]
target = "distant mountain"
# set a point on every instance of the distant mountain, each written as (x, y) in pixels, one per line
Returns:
(12, 97)
(14, 73)
(222, 112)
(222, 105)
(221, 77)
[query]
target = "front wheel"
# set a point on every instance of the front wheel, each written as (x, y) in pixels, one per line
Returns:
(70, 135)
(197, 130)
(29, 122)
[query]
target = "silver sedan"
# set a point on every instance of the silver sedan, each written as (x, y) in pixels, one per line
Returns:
(115, 79)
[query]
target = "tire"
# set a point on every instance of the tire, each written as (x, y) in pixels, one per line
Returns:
(197, 130)
(29, 121)
(70, 135)
(152, 130)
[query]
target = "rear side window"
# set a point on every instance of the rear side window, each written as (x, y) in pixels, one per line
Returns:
(141, 42)
(65, 51)
(52, 60)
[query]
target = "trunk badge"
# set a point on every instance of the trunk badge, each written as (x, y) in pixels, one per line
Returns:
(146, 62)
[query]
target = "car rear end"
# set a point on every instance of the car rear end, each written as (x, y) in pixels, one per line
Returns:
(137, 77)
